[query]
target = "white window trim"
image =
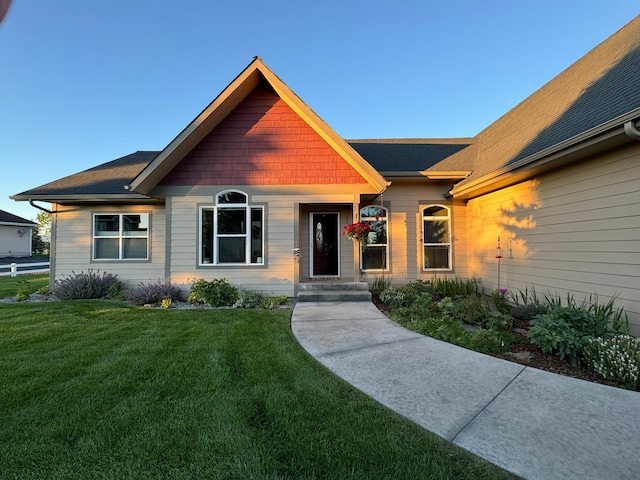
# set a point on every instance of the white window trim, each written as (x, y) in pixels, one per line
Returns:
(447, 244)
(248, 208)
(386, 245)
(119, 236)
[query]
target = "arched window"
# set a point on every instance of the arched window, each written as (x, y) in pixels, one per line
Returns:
(376, 255)
(436, 238)
(231, 232)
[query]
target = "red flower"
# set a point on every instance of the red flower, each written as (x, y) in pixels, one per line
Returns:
(358, 231)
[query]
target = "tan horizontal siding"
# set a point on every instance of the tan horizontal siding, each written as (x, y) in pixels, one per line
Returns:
(575, 230)
(275, 278)
(74, 236)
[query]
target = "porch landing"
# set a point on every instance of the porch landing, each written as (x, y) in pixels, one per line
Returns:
(330, 291)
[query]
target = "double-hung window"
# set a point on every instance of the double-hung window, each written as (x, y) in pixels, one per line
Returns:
(121, 236)
(231, 232)
(376, 255)
(436, 238)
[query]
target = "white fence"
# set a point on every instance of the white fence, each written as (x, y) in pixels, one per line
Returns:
(15, 269)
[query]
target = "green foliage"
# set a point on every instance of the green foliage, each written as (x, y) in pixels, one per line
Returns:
(270, 303)
(616, 358)
(37, 281)
(214, 293)
(455, 287)
(527, 305)
(555, 335)
(380, 284)
(606, 314)
(85, 285)
(115, 292)
(528, 312)
(569, 326)
(251, 299)
(441, 320)
(152, 293)
(399, 296)
(500, 301)
(23, 290)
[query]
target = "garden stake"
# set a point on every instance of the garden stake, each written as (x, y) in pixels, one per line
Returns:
(498, 256)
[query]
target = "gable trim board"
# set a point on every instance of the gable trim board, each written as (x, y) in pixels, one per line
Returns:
(556, 178)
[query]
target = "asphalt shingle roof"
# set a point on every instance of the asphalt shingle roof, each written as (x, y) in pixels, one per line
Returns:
(106, 179)
(6, 217)
(412, 156)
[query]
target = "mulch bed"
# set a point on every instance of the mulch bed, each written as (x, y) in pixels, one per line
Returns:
(536, 358)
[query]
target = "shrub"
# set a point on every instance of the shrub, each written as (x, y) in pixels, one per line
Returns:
(249, 299)
(472, 309)
(216, 293)
(567, 328)
(153, 293)
(269, 303)
(616, 358)
(85, 285)
(23, 290)
(400, 296)
(555, 335)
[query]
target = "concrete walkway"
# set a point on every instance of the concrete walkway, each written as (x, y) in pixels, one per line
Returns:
(536, 424)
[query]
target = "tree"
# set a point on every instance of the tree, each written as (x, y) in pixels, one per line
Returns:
(41, 234)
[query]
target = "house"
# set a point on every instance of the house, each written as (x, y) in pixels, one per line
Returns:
(258, 188)
(15, 235)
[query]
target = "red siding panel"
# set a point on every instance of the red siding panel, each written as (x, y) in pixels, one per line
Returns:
(262, 142)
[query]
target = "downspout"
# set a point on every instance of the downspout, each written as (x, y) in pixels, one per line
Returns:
(39, 207)
(631, 130)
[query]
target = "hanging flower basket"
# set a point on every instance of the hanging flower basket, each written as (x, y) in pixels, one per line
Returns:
(359, 232)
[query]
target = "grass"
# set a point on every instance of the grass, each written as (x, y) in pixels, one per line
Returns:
(9, 285)
(95, 389)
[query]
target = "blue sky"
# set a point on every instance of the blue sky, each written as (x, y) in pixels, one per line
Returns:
(83, 83)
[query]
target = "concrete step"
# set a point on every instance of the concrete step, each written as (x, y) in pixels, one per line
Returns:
(334, 296)
(333, 286)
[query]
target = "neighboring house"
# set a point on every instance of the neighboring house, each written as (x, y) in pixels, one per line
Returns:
(258, 188)
(15, 235)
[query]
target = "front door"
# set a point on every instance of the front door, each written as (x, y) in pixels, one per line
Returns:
(324, 244)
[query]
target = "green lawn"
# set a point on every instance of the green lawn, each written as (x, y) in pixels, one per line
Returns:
(93, 389)
(32, 282)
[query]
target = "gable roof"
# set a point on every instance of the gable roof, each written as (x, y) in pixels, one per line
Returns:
(104, 182)
(7, 218)
(255, 73)
(411, 156)
(594, 96)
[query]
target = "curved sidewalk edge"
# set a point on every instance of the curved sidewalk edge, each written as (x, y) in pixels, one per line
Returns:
(536, 424)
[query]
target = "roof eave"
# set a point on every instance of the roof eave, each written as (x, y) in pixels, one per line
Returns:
(606, 136)
(446, 175)
(81, 198)
(18, 224)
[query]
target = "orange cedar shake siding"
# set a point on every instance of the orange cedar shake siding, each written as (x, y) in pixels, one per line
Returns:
(262, 142)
